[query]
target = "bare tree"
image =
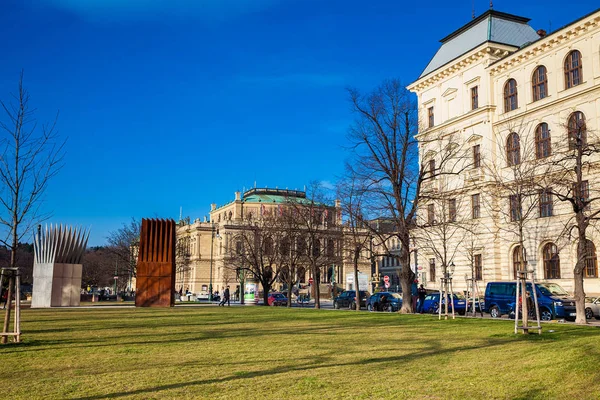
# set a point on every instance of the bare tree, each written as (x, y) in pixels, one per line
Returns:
(318, 233)
(356, 235)
(514, 192)
(123, 244)
(255, 250)
(386, 159)
(290, 258)
(573, 163)
(31, 156)
(98, 267)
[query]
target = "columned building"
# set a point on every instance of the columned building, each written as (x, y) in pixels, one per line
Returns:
(205, 247)
(513, 99)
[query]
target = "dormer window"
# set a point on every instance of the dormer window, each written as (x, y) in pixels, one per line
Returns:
(510, 95)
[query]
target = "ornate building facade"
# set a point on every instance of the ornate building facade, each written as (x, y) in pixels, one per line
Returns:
(512, 98)
(204, 247)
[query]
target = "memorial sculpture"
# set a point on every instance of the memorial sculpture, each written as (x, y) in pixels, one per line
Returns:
(58, 253)
(155, 275)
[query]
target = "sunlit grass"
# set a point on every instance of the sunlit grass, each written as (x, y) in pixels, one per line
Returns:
(258, 352)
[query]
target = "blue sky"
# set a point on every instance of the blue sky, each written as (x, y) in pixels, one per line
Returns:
(179, 103)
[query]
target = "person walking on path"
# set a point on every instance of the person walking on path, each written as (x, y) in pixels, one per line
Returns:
(414, 292)
(422, 294)
(225, 298)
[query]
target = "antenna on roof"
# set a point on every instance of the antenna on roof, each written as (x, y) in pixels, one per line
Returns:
(254, 184)
(180, 213)
(473, 9)
(491, 5)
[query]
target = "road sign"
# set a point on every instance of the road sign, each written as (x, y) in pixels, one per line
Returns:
(311, 281)
(116, 277)
(386, 279)
(387, 285)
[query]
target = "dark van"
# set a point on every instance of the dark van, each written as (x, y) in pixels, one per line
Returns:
(553, 300)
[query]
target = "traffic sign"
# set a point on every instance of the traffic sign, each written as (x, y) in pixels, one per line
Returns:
(387, 285)
(310, 281)
(386, 279)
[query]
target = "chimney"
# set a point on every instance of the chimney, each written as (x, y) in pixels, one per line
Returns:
(238, 196)
(541, 33)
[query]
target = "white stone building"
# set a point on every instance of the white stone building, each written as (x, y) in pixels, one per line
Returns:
(492, 79)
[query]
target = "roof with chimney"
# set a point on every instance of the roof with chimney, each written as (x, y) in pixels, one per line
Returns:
(492, 26)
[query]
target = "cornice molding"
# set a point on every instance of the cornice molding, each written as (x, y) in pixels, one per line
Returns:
(487, 49)
(550, 42)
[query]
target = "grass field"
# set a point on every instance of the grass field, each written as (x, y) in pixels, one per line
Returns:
(276, 353)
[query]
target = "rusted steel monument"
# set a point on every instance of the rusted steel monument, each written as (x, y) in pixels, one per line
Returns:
(155, 282)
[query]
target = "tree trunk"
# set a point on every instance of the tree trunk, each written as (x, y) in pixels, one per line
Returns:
(407, 278)
(266, 290)
(579, 292)
(357, 286)
(289, 294)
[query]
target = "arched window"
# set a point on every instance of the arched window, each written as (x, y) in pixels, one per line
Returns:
(517, 260)
(551, 261)
(539, 83)
(573, 69)
(542, 141)
(591, 261)
(576, 130)
(510, 95)
(513, 149)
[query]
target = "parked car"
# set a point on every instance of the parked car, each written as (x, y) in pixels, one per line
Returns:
(277, 299)
(432, 302)
(553, 300)
(592, 307)
(348, 299)
(479, 305)
(375, 301)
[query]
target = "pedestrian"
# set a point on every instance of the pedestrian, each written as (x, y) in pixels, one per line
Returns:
(414, 293)
(422, 294)
(226, 297)
(4, 297)
(237, 293)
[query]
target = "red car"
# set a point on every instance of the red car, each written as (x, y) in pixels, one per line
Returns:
(277, 299)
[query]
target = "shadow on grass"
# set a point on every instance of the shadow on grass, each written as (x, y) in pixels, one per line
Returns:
(316, 362)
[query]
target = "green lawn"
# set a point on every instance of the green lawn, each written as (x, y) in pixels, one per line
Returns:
(276, 353)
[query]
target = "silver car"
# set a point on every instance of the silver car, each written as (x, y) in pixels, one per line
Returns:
(592, 307)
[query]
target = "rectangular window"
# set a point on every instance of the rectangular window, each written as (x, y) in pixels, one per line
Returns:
(475, 206)
(432, 270)
(432, 167)
(545, 203)
(452, 210)
(476, 157)
(478, 267)
(516, 209)
(474, 98)
(430, 117)
(430, 214)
